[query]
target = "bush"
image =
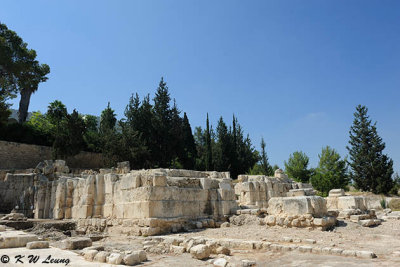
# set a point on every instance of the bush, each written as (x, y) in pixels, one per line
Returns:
(383, 203)
(24, 133)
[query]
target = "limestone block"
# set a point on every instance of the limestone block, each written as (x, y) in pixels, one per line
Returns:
(351, 202)
(74, 243)
(15, 239)
(222, 250)
(365, 254)
(200, 252)
(90, 254)
(314, 205)
(132, 259)
(101, 256)
(177, 249)
(220, 262)
(114, 258)
(248, 263)
(295, 193)
(336, 192)
(225, 184)
(279, 173)
(37, 245)
(159, 179)
(205, 183)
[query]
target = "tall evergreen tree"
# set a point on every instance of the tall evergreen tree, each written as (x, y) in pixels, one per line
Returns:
(209, 157)
(162, 123)
(222, 152)
(108, 120)
(371, 170)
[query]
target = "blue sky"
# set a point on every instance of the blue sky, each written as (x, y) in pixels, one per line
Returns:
(291, 71)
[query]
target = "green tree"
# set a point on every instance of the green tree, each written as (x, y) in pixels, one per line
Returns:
(19, 69)
(56, 112)
(109, 137)
(75, 129)
(222, 151)
(4, 111)
(331, 172)
(297, 167)
(189, 152)
(162, 123)
(40, 123)
(208, 147)
(371, 170)
(267, 169)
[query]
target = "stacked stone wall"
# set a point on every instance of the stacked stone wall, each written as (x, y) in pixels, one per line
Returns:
(24, 156)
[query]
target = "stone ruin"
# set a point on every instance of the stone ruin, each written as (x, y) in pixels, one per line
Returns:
(156, 201)
(354, 208)
(123, 202)
(283, 201)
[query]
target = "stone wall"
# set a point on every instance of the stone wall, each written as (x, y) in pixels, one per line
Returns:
(25, 156)
(167, 195)
(17, 190)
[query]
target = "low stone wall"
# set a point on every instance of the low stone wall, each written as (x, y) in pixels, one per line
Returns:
(25, 156)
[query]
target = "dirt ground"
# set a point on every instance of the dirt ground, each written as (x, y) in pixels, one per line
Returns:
(383, 240)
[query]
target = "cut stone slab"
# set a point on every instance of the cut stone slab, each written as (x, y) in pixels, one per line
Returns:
(74, 243)
(15, 239)
(37, 245)
(314, 205)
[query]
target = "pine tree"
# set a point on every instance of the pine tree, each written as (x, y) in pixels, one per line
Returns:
(371, 170)
(331, 172)
(209, 158)
(297, 167)
(108, 120)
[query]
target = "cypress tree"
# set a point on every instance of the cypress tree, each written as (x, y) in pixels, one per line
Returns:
(209, 158)
(371, 170)
(267, 169)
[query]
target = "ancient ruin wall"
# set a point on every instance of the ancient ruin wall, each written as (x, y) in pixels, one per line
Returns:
(136, 195)
(25, 156)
